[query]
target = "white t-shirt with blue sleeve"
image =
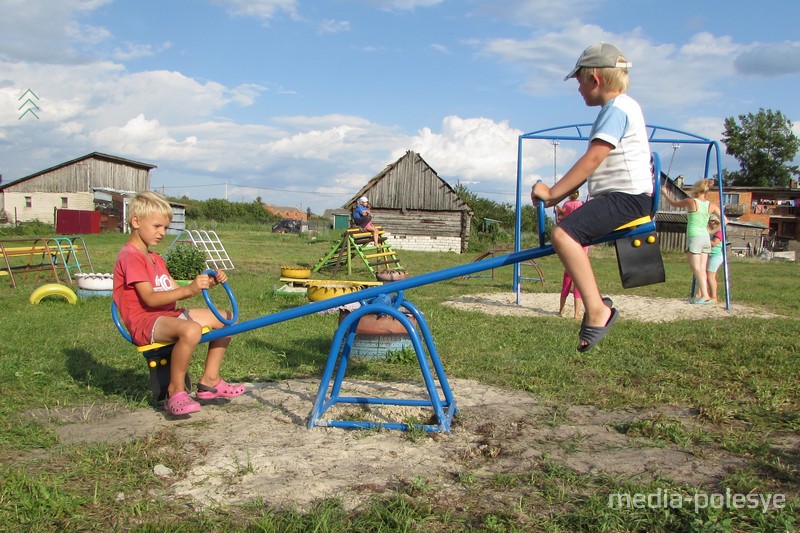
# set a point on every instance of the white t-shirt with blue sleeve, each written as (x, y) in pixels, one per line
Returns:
(627, 167)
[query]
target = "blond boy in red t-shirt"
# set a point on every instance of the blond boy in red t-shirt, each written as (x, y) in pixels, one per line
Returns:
(146, 296)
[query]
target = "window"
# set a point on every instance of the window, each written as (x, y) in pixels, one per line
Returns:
(731, 198)
(64, 202)
(28, 201)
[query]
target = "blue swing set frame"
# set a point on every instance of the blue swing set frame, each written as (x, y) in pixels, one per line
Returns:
(656, 135)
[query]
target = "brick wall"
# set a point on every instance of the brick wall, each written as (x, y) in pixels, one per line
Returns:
(424, 243)
(43, 205)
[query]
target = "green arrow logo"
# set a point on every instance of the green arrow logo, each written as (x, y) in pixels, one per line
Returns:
(28, 104)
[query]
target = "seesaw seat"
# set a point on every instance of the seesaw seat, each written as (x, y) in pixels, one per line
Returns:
(639, 256)
(158, 354)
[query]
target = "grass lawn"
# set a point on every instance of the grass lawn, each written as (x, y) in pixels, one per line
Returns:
(742, 377)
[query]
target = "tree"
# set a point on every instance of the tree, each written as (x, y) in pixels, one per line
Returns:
(484, 208)
(764, 145)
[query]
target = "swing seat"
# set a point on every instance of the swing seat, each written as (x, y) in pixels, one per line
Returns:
(639, 261)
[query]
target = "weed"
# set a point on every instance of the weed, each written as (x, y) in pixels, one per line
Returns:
(404, 356)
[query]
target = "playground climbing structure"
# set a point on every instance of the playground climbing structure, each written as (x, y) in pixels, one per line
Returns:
(356, 244)
(209, 243)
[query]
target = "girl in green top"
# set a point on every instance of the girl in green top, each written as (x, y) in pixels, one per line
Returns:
(698, 243)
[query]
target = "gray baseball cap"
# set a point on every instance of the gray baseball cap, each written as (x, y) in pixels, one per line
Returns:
(600, 55)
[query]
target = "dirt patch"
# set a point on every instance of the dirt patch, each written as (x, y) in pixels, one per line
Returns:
(258, 445)
(640, 308)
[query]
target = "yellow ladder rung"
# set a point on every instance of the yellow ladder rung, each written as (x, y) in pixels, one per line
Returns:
(383, 254)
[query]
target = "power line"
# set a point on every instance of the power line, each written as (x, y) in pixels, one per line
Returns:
(495, 193)
(253, 187)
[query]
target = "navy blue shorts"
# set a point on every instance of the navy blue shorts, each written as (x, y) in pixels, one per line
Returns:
(363, 222)
(605, 213)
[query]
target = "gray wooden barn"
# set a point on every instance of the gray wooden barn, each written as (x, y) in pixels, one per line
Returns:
(82, 184)
(416, 209)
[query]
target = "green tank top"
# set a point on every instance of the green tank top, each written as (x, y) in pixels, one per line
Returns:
(697, 221)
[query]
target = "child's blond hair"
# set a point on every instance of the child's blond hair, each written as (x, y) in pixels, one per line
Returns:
(149, 203)
(614, 78)
(574, 195)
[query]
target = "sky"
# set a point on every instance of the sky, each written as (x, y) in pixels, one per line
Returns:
(301, 102)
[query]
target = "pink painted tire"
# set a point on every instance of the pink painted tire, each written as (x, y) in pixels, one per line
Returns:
(378, 325)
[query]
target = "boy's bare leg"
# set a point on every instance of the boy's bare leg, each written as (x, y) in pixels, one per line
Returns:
(216, 348)
(186, 335)
(577, 263)
(216, 353)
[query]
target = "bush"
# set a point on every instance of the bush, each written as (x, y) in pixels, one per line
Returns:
(185, 261)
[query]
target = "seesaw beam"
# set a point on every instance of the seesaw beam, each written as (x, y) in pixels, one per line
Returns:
(408, 283)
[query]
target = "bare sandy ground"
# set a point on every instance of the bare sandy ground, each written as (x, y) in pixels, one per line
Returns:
(258, 445)
(630, 307)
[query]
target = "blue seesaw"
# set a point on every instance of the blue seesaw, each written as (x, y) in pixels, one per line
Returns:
(387, 299)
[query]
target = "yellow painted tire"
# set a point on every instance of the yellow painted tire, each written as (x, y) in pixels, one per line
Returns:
(323, 291)
(53, 289)
(295, 272)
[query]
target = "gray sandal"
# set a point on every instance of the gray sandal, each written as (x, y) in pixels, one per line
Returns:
(591, 335)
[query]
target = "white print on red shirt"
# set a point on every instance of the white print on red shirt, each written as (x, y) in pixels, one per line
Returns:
(163, 283)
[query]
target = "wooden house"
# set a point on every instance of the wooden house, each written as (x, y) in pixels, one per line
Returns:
(82, 185)
(416, 209)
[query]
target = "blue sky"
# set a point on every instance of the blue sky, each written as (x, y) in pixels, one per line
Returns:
(301, 102)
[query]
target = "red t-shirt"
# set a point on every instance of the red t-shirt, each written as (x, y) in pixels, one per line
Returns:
(134, 267)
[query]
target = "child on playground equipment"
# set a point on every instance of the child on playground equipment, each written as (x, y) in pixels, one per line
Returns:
(363, 219)
(616, 166)
(567, 285)
(146, 297)
(715, 256)
(698, 241)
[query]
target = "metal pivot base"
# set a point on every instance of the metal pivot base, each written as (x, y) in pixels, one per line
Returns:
(440, 399)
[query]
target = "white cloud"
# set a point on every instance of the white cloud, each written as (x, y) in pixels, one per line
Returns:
(480, 152)
(775, 59)
(540, 13)
(403, 5)
(260, 9)
(333, 26)
(136, 51)
(45, 31)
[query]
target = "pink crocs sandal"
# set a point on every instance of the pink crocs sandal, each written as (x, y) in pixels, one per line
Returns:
(182, 404)
(222, 390)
